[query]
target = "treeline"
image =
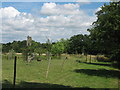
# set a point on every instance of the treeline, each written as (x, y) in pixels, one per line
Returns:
(19, 46)
(77, 44)
(104, 37)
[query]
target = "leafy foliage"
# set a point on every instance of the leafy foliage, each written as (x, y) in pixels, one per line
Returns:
(76, 44)
(106, 30)
(58, 48)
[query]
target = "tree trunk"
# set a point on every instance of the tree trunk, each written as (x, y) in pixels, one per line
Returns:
(59, 56)
(90, 58)
(86, 57)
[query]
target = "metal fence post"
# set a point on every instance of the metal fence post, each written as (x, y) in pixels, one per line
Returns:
(14, 79)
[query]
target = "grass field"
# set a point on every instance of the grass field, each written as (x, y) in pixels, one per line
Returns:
(70, 75)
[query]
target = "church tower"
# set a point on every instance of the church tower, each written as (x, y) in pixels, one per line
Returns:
(29, 41)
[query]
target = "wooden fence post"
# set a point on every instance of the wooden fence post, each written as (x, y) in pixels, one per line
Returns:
(63, 64)
(14, 79)
(49, 59)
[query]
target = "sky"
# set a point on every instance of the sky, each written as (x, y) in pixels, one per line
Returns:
(42, 20)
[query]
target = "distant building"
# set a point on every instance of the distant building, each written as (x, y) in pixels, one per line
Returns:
(29, 41)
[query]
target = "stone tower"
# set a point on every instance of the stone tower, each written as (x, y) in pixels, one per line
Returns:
(29, 41)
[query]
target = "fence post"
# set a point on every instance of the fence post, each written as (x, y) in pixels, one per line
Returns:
(49, 59)
(63, 64)
(14, 71)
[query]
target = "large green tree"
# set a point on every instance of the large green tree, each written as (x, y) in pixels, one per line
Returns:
(106, 30)
(76, 44)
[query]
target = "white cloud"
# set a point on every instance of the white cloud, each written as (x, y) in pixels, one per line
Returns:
(98, 9)
(84, 1)
(9, 12)
(60, 21)
(56, 9)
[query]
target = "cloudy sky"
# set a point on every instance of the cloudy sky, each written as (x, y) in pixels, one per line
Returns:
(40, 20)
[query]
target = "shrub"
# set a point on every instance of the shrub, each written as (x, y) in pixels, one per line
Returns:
(102, 59)
(40, 57)
(116, 56)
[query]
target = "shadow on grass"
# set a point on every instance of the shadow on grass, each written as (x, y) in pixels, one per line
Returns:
(99, 72)
(23, 84)
(101, 64)
(28, 85)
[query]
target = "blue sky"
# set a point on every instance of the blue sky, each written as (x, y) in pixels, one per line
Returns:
(29, 6)
(41, 19)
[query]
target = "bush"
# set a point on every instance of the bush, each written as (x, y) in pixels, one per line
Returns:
(102, 59)
(116, 56)
(40, 57)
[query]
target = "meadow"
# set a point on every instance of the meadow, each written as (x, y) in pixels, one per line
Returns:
(74, 73)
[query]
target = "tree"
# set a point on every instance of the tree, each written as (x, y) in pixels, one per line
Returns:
(11, 54)
(76, 44)
(66, 44)
(58, 48)
(106, 29)
(38, 50)
(6, 47)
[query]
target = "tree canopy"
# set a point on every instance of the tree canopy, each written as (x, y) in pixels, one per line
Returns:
(106, 30)
(58, 48)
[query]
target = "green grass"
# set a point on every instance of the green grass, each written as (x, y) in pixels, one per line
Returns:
(71, 74)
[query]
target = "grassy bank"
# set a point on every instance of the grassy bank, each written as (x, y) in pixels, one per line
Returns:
(71, 74)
